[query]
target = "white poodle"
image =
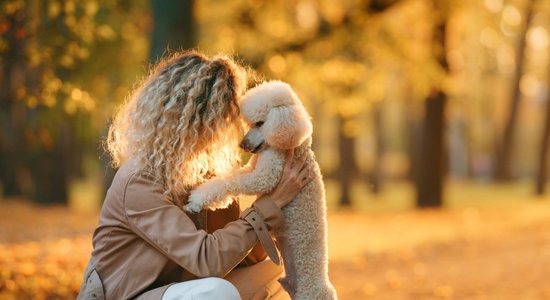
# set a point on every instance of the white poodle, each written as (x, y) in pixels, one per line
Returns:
(279, 122)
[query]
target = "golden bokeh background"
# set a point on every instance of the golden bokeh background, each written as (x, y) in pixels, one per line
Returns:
(431, 126)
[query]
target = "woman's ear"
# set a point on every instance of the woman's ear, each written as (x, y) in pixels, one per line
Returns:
(286, 127)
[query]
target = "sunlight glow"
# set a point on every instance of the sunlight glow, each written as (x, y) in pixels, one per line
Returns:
(488, 37)
(455, 59)
(505, 59)
(511, 15)
(493, 5)
(333, 12)
(537, 38)
(277, 64)
(306, 15)
(529, 85)
(508, 29)
(76, 94)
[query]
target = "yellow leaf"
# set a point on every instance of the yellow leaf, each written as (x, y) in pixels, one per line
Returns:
(105, 32)
(53, 9)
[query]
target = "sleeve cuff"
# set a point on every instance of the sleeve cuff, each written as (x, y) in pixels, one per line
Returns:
(259, 225)
(270, 212)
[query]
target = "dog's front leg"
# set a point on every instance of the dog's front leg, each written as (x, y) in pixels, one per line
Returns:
(263, 178)
(212, 194)
(259, 176)
(215, 193)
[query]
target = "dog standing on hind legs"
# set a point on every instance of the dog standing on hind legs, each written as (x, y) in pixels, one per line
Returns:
(279, 122)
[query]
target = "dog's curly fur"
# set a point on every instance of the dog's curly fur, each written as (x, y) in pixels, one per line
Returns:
(286, 125)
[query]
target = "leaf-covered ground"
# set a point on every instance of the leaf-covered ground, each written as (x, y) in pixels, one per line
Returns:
(464, 254)
(471, 253)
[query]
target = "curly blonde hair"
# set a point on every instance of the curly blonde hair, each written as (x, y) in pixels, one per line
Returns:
(182, 123)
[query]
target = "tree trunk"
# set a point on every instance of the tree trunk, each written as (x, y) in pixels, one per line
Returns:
(174, 27)
(347, 169)
(414, 131)
(12, 155)
(429, 184)
(543, 154)
(12, 112)
(49, 176)
(432, 155)
(504, 150)
(376, 172)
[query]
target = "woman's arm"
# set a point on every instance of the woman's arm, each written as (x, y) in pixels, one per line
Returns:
(217, 219)
(152, 216)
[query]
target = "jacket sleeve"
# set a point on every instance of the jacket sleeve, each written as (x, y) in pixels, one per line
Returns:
(153, 217)
(256, 255)
(272, 220)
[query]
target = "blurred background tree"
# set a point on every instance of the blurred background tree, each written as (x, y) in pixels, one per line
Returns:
(403, 93)
(174, 27)
(504, 151)
(57, 82)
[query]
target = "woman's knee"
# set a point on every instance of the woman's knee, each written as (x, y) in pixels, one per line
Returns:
(222, 289)
(211, 288)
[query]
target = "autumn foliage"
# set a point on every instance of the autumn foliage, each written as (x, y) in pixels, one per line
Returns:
(415, 103)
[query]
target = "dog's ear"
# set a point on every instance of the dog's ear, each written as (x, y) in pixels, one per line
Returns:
(286, 127)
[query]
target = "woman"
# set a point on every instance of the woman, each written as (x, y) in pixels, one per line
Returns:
(181, 127)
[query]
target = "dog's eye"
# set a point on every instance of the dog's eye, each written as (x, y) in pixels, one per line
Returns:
(259, 124)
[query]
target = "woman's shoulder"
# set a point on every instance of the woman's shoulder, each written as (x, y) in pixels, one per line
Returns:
(128, 173)
(113, 206)
(134, 187)
(124, 173)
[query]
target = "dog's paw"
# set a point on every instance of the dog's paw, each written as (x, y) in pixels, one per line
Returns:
(192, 208)
(194, 203)
(206, 196)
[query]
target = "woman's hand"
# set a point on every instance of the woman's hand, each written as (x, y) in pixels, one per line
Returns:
(293, 179)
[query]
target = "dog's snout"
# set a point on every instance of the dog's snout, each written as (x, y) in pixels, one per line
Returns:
(246, 145)
(252, 141)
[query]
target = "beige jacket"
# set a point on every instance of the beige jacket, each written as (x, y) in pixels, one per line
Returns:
(144, 241)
